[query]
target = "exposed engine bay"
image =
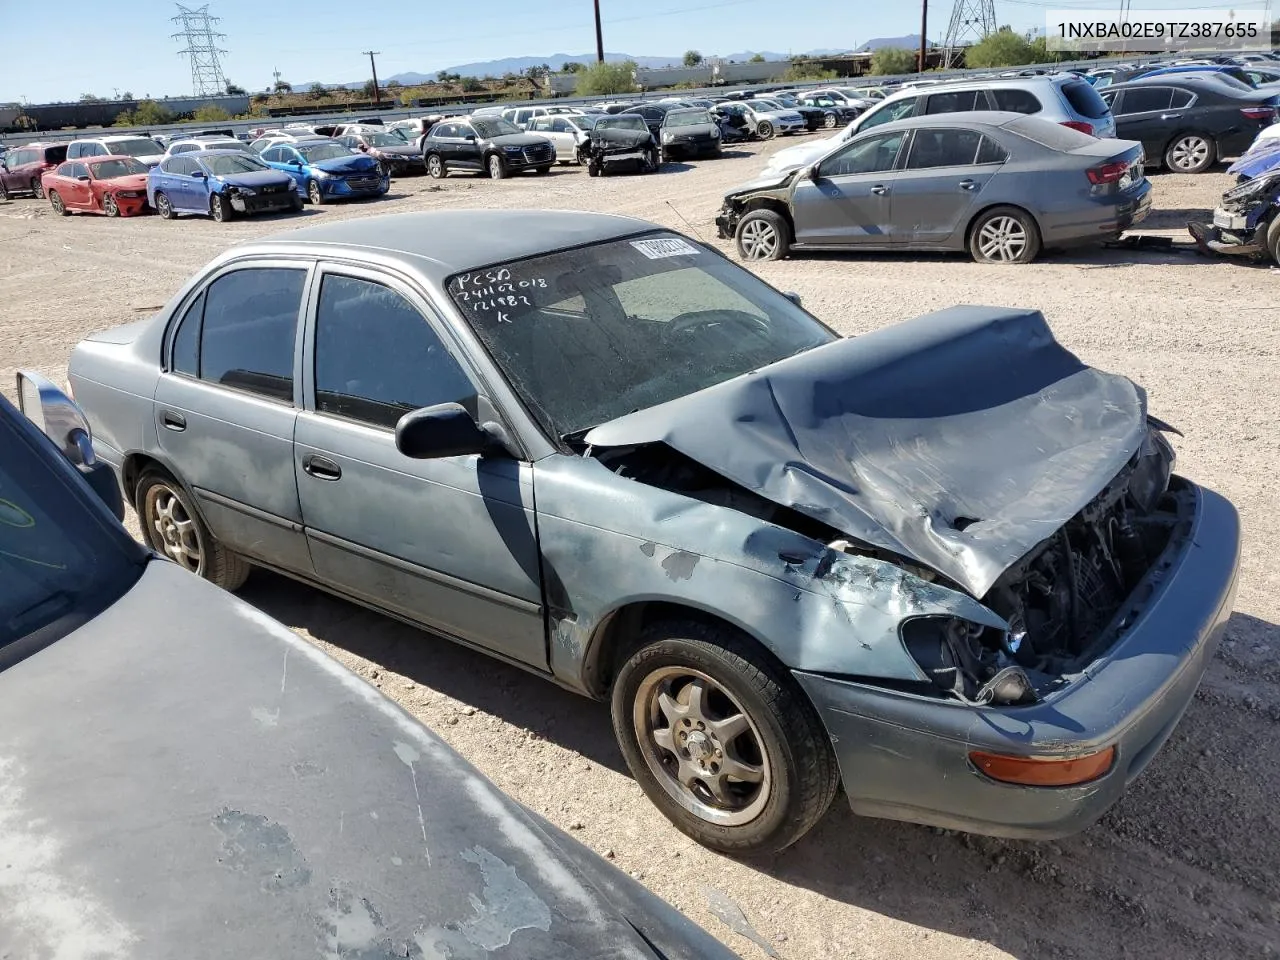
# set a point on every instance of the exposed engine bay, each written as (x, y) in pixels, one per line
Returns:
(1066, 602)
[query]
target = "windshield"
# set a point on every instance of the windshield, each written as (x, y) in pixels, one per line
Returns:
(110, 169)
(227, 145)
(141, 147)
(316, 152)
(762, 105)
(384, 140)
(228, 165)
(490, 127)
(59, 561)
(592, 334)
(686, 118)
(584, 123)
(630, 121)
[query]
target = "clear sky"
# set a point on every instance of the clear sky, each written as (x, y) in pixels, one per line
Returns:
(130, 47)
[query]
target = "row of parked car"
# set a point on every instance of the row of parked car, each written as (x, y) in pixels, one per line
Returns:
(999, 167)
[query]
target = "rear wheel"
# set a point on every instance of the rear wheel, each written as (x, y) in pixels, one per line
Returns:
(219, 208)
(763, 235)
(436, 168)
(171, 527)
(764, 130)
(37, 188)
(60, 208)
(1004, 235)
(4, 191)
(1190, 153)
(721, 739)
(109, 205)
(496, 167)
(164, 206)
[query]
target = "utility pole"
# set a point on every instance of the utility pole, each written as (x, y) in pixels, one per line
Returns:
(599, 36)
(377, 97)
(924, 28)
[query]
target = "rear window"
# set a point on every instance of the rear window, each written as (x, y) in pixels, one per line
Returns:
(55, 154)
(1085, 100)
(1052, 135)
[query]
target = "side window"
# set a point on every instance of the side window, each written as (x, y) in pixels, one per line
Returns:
(64, 170)
(560, 126)
(893, 111)
(872, 155)
(1146, 99)
(1013, 100)
(377, 357)
(250, 321)
(186, 341)
(1109, 99)
(991, 152)
(957, 101)
(272, 155)
(1181, 98)
(95, 150)
(943, 148)
(541, 125)
(79, 170)
(73, 151)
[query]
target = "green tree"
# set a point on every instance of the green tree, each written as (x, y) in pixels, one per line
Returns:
(317, 91)
(692, 58)
(602, 79)
(471, 85)
(91, 98)
(126, 96)
(234, 90)
(1040, 52)
(573, 66)
(283, 87)
(800, 72)
(442, 76)
(124, 119)
(889, 61)
(368, 90)
(150, 114)
(210, 113)
(756, 58)
(1004, 48)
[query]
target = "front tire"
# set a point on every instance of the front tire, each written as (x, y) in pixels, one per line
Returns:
(55, 201)
(764, 130)
(497, 167)
(315, 194)
(109, 205)
(436, 168)
(1273, 239)
(164, 206)
(763, 235)
(830, 120)
(172, 528)
(721, 739)
(219, 208)
(541, 170)
(1004, 235)
(1190, 153)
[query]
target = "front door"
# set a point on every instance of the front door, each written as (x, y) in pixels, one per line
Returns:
(225, 410)
(850, 202)
(450, 543)
(945, 173)
(465, 151)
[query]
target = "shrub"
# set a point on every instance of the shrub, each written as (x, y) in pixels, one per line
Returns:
(603, 79)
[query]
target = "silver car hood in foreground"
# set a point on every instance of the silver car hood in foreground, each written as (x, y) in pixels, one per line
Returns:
(960, 439)
(185, 777)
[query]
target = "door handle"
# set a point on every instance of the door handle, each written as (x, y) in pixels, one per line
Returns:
(879, 190)
(322, 468)
(1170, 116)
(173, 421)
(968, 185)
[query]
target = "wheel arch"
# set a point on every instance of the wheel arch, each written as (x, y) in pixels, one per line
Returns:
(779, 207)
(1185, 131)
(135, 464)
(979, 214)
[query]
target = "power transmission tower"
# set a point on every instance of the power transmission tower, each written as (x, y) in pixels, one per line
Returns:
(207, 79)
(971, 20)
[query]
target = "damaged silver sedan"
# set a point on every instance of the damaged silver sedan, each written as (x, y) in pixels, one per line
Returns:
(945, 563)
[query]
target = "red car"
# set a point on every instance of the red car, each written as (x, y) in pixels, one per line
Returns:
(116, 186)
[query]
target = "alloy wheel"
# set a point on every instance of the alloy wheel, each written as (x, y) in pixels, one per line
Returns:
(314, 194)
(164, 206)
(702, 747)
(171, 529)
(37, 188)
(1002, 239)
(759, 240)
(1189, 153)
(830, 121)
(56, 201)
(435, 167)
(109, 205)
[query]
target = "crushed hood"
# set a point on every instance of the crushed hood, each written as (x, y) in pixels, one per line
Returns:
(960, 439)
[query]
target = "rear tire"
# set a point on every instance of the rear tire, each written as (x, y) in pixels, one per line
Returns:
(37, 188)
(694, 702)
(1004, 235)
(1190, 153)
(55, 201)
(173, 529)
(4, 192)
(763, 235)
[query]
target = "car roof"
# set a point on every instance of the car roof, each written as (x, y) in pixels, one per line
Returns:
(1199, 83)
(444, 242)
(969, 118)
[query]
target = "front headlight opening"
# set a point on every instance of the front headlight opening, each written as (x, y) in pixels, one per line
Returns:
(968, 661)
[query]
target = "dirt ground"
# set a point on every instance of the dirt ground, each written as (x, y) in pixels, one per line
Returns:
(1187, 865)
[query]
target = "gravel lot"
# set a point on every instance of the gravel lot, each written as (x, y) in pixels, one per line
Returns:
(1188, 865)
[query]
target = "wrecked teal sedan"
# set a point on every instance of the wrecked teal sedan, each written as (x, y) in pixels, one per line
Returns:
(945, 563)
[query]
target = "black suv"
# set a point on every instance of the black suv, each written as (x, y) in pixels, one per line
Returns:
(1187, 123)
(485, 145)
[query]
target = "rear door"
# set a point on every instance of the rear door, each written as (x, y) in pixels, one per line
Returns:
(1146, 113)
(851, 201)
(945, 173)
(225, 407)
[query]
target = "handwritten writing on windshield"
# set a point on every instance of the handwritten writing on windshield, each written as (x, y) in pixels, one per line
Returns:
(496, 292)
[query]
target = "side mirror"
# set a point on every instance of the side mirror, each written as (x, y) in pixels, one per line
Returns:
(813, 174)
(200, 175)
(793, 297)
(84, 177)
(470, 138)
(445, 430)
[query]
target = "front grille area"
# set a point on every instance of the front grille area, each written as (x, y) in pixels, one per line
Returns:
(543, 153)
(364, 181)
(276, 188)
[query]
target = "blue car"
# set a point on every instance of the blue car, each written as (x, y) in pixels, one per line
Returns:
(220, 183)
(325, 170)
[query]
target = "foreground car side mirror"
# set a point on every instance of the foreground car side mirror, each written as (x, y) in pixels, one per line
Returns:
(446, 430)
(793, 297)
(813, 174)
(61, 420)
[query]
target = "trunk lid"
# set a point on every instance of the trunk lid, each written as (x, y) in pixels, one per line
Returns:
(960, 439)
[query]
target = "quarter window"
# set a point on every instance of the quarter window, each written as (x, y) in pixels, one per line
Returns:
(186, 342)
(943, 148)
(1181, 98)
(247, 338)
(1013, 100)
(377, 357)
(991, 152)
(872, 155)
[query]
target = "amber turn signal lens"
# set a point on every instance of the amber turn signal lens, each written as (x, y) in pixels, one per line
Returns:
(1044, 771)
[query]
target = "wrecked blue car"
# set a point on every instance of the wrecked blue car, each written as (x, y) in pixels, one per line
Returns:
(1246, 223)
(946, 562)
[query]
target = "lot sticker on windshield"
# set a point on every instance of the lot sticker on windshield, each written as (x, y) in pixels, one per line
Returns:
(659, 249)
(496, 291)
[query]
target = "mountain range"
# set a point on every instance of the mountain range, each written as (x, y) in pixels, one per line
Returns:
(497, 68)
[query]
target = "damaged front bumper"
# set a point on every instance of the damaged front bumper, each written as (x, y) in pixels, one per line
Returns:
(907, 757)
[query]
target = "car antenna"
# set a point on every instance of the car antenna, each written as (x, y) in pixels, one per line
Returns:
(686, 222)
